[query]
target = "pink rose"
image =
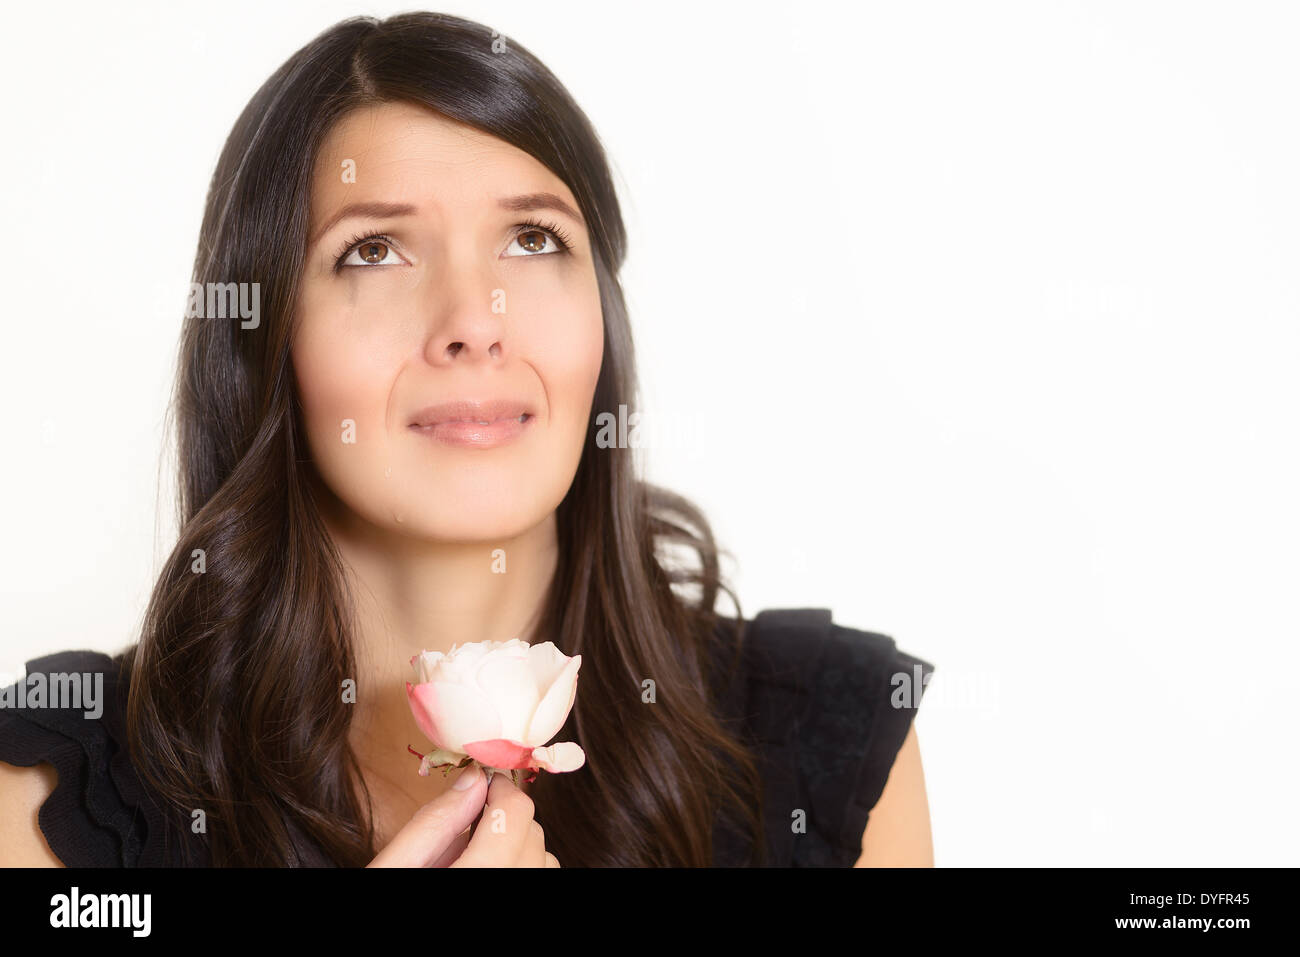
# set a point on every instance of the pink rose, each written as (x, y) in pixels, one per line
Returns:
(498, 703)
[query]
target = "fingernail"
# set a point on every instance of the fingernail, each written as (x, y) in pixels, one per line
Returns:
(467, 778)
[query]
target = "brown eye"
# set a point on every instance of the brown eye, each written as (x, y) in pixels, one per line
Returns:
(373, 252)
(533, 240)
(376, 250)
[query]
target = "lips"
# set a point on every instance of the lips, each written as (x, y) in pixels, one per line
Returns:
(472, 411)
(471, 424)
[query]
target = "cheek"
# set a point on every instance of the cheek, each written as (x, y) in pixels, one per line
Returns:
(568, 360)
(566, 353)
(342, 386)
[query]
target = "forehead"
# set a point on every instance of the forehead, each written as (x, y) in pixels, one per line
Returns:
(405, 152)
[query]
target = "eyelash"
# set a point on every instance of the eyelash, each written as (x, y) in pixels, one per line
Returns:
(559, 235)
(554, 229)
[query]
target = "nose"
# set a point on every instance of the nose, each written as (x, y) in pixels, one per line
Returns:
(467, 318)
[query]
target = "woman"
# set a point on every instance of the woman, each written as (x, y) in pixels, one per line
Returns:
(392, 447)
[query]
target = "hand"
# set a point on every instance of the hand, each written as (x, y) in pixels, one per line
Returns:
(506, 835)
(438, 834)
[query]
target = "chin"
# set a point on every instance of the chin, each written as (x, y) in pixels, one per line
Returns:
(483, 514)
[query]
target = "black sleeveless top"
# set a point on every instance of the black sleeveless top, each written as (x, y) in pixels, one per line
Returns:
(819, 704)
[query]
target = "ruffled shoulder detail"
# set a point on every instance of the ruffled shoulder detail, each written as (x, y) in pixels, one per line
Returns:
(99, 814)
(826, 709)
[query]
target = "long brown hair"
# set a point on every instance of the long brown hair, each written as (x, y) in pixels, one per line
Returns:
(235, 704)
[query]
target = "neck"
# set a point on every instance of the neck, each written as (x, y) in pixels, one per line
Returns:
(414, 595)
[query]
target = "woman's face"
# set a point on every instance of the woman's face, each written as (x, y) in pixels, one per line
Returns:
(421, 287)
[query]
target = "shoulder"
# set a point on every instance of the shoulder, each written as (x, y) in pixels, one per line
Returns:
(23, 790)
(68, 793)
(898, 828)
(828, 708)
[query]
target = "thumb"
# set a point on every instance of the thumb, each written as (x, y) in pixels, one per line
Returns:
(436, 825)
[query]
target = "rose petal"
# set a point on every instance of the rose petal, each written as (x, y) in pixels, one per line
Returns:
(559, 758)
(555, 706)
(459, 665)
(500, 753)
(451, 714)
(421, 713)
(506, 678)
(548, 662)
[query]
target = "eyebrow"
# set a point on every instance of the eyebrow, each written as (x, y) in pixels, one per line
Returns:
(531, 201)
(522, 204)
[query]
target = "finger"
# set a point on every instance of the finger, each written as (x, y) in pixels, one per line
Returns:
(499, 838)
(502, 829)
(455, 849)
(435, 825)
(534, 852)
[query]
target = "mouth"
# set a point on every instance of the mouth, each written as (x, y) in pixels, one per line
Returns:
(522, 417)
(476, 425)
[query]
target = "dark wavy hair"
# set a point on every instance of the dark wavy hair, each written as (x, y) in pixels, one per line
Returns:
(234, 703)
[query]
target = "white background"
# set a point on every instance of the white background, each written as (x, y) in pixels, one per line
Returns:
(976, 323)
